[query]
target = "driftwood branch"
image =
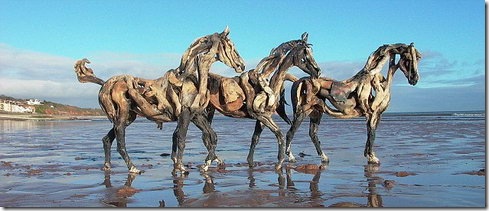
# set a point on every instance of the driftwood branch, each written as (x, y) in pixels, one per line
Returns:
(164, 99)
(85, 74)
(365, 94)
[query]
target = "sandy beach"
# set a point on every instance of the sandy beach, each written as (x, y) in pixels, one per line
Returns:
(435, 160)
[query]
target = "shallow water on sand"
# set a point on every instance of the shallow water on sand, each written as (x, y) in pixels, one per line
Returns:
(427, 160)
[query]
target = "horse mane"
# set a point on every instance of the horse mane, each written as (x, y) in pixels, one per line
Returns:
(270, 63)
(195, 49)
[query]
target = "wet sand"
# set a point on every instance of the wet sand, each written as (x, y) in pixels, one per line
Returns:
(426, 161)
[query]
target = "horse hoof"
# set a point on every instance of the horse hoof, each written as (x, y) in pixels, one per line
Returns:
(278, 167)
(373, 160)
(204, 168)
(134, 170)
(324, 159)
(106, 167)
(250, 163)
(292, 159)
(179, 168)
(219, 162)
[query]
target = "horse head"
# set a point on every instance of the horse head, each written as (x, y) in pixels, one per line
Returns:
(303, 58)
(408, 63)
(214, 47)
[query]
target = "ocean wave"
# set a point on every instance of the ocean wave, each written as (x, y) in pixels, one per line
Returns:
(469, 114)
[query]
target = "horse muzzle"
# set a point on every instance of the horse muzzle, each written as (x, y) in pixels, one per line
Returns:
(413, 80)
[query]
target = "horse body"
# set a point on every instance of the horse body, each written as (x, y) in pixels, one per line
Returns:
(178, 93)
(251, 96)
(366, 94)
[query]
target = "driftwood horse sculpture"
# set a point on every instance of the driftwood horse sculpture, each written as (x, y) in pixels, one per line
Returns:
(179, 94)
(252, 95)
(366, 94)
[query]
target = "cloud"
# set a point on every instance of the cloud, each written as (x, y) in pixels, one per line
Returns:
(436, 71)
(28, 74)
(30, 88)
(29, 65)
(17, 64)
(341, 70)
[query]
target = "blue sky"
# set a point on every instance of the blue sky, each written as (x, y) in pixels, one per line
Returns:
(41, 40)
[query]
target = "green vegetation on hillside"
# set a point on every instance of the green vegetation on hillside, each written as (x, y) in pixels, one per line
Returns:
(52, 108)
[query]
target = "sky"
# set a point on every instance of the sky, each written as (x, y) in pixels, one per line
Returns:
(41, 40)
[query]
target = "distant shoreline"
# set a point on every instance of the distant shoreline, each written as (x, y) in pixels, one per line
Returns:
(45, 117)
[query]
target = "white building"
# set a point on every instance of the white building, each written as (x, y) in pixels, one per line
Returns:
(33, 102)
(15, 107)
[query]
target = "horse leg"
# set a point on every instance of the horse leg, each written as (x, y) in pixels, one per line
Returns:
(298, 118)
(210, 114)
(179, 136)
(209, 138)
(268, 121)
(313, 133)
(254, 141)
(120, 134)
(126, 117)
(372, 122)
(107, 142)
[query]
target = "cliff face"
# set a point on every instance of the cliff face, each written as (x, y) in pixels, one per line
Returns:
(51, 108)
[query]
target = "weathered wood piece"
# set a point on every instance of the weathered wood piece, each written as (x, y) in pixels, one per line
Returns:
(258, 93)
(367, 94)
(179, 92)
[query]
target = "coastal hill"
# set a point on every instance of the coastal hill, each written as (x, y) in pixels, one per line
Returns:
(11, 105)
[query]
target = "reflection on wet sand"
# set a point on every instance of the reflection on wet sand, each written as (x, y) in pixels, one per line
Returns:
(373, 199)
(178, 184)
(119, 197)
(287, 194)
(178, 187)
(314, 199)
(256, 196)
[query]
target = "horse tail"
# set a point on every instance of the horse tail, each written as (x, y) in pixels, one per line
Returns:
(85, 74)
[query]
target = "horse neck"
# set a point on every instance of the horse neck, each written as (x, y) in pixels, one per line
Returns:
(205, 61)
(392, 70)
(278, 77)
(200, 63)
(191, 60)
(377, 70)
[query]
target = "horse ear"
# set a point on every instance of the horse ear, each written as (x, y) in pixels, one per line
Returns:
(305, 36)
(225, 32)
